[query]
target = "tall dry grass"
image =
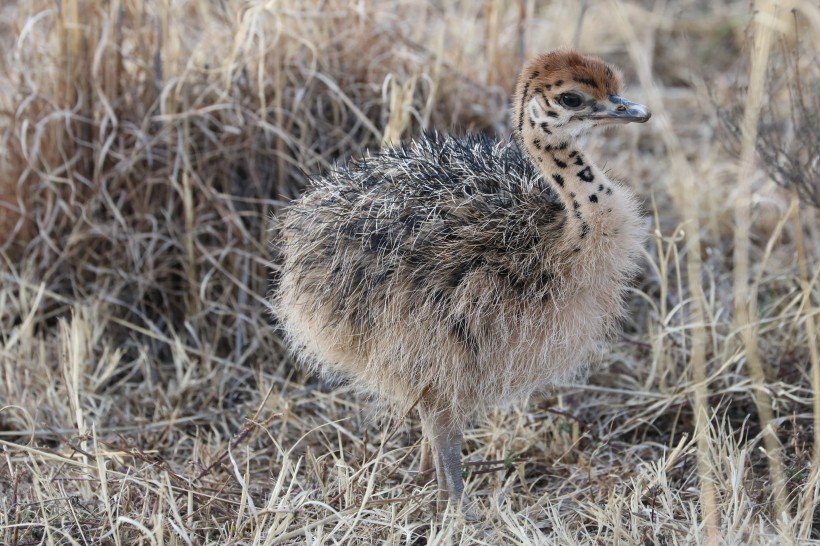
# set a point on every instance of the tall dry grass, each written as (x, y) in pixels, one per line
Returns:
(145, 397)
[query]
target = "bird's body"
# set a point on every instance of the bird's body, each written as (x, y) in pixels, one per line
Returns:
(463, 273)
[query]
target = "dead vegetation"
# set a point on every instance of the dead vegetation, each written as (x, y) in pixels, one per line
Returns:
(788, 141)
(146, 398)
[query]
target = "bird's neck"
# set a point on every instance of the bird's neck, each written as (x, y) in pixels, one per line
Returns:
(581, 185)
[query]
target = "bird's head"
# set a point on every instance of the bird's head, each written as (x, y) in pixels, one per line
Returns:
(563, 94)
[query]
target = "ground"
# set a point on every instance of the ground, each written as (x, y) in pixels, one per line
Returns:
(147, 398)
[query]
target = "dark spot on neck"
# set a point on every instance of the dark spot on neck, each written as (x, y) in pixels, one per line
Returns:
(586, 175)
(544, 127)
(558, 179)
(537, 143)
(561, 164)
(593, 198)
(563, 146)
(584, 230)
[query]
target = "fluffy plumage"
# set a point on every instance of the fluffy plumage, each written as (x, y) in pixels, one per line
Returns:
(464, 273)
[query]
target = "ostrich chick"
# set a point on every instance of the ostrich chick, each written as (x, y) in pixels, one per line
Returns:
(462, 273)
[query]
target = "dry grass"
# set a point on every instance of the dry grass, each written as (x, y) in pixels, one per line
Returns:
(145, 397)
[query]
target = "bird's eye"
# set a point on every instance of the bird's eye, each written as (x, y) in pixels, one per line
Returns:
(571, 100)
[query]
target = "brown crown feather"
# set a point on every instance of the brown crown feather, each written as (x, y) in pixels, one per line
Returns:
(564, 69)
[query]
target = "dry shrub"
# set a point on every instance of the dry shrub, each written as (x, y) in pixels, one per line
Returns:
(788, 142)
(151, 144)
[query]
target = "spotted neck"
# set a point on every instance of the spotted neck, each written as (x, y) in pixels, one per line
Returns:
(582, 186)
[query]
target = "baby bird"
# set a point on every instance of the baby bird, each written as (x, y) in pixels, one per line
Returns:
(462, 273)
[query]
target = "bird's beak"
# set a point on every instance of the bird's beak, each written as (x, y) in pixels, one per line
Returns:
(619, 110)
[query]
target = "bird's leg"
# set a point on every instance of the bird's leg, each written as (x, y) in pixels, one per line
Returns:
(427, 462)
(448, 450)
(444, 435)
